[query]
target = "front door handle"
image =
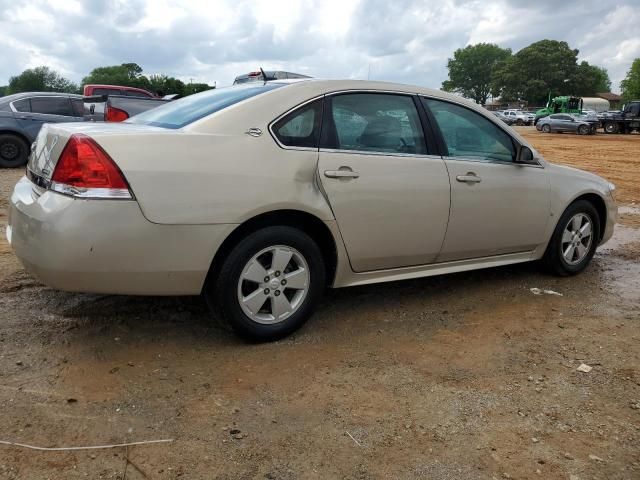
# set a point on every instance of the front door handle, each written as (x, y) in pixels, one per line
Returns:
(470, 177)
(342, 173)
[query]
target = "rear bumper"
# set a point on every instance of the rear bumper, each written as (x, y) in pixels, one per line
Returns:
(108, 246)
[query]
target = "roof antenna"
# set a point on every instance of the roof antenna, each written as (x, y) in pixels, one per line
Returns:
(264, 75)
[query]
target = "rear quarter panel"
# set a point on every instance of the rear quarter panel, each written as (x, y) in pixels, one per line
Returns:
(196, 178)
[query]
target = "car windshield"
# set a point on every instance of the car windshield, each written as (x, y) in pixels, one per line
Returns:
(187, 110)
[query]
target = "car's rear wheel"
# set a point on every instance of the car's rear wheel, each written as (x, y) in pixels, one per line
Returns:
(583, 130)
(611, 127)
(14, 151)
(546, 128)
(574, 240)
(269, 284)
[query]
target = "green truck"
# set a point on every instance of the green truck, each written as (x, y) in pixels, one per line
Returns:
(564, 104)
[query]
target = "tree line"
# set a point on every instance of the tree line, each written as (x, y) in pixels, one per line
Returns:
(544, 68)
(44, 79)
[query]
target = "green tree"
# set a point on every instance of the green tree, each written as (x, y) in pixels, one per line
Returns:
(40, 79)
(630, 86)
(542, 67)
(3, 90)
(191, 88)
(127, 74)
(589, 80)
(131, 75)
(471, 70)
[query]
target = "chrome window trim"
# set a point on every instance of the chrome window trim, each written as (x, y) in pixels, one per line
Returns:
(459, 158)
(380, 154)
(497, 123)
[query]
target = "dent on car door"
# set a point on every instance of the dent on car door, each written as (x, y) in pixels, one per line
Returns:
(388, 189)
(498, 206)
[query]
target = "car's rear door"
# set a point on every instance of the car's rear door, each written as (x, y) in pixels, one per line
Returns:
(50, 109)
(387, 187)
(497, 206)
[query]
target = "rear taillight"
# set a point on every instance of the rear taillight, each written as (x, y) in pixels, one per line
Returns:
(85, 170)
(113, 114)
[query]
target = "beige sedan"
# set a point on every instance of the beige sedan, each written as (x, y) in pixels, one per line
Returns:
(258, 196)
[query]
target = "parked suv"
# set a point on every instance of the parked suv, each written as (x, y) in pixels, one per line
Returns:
(22, 115)
(519, 117)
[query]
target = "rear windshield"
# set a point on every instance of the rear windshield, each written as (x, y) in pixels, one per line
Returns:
(187, 110)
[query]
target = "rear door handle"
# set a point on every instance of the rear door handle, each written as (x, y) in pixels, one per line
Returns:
(341, 174)
(470, 177)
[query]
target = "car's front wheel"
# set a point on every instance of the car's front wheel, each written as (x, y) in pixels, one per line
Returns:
(584, 130)
(269, 284)
(574, 240)
(546, 128)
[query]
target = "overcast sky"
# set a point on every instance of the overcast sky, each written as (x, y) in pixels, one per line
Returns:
(397, 40)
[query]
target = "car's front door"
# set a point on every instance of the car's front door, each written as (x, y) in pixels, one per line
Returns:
(497, 206)
(388, 192)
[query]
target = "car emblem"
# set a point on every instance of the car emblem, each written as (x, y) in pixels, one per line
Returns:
(254, 132)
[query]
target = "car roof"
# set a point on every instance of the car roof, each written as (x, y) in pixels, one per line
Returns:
(18, 96)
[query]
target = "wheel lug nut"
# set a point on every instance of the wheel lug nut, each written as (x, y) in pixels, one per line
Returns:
(283, 282)
(277, 292)
(266, 279)
(266, 291)
(277, 274)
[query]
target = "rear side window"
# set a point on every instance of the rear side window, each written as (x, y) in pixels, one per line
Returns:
(133, 93)
(51, 105)
(106, 91)
(469, 134)
(178, 113)
(300, 128)
(22, 105)
(373, 122)
(77, 104)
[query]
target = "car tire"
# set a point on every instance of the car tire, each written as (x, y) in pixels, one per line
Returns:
(546, 128)
(583, 130)
(563, 256)
(251, 272)
(14, 151)
(611, 127)
(519, 122)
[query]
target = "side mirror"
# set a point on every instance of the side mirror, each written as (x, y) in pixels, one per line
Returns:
(525, 155)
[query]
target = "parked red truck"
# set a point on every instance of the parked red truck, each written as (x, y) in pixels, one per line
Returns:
(90, 90)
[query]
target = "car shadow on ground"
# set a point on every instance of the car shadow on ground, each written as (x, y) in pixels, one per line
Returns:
(433, 302)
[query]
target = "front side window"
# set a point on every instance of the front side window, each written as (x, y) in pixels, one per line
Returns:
(51, 105)
(374, 122)
(300, 128)
(469, 134)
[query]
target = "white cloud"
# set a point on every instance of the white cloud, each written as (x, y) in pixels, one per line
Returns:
(404, 40)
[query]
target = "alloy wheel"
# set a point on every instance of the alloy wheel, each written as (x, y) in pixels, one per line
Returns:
(576, 239)
(273, 284)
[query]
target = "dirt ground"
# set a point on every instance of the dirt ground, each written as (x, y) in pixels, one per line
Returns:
(465, 376)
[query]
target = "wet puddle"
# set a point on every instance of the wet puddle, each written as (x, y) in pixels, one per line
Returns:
(622, 257)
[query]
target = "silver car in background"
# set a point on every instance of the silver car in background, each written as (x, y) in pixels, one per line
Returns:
(259, 196)
(564, 122)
